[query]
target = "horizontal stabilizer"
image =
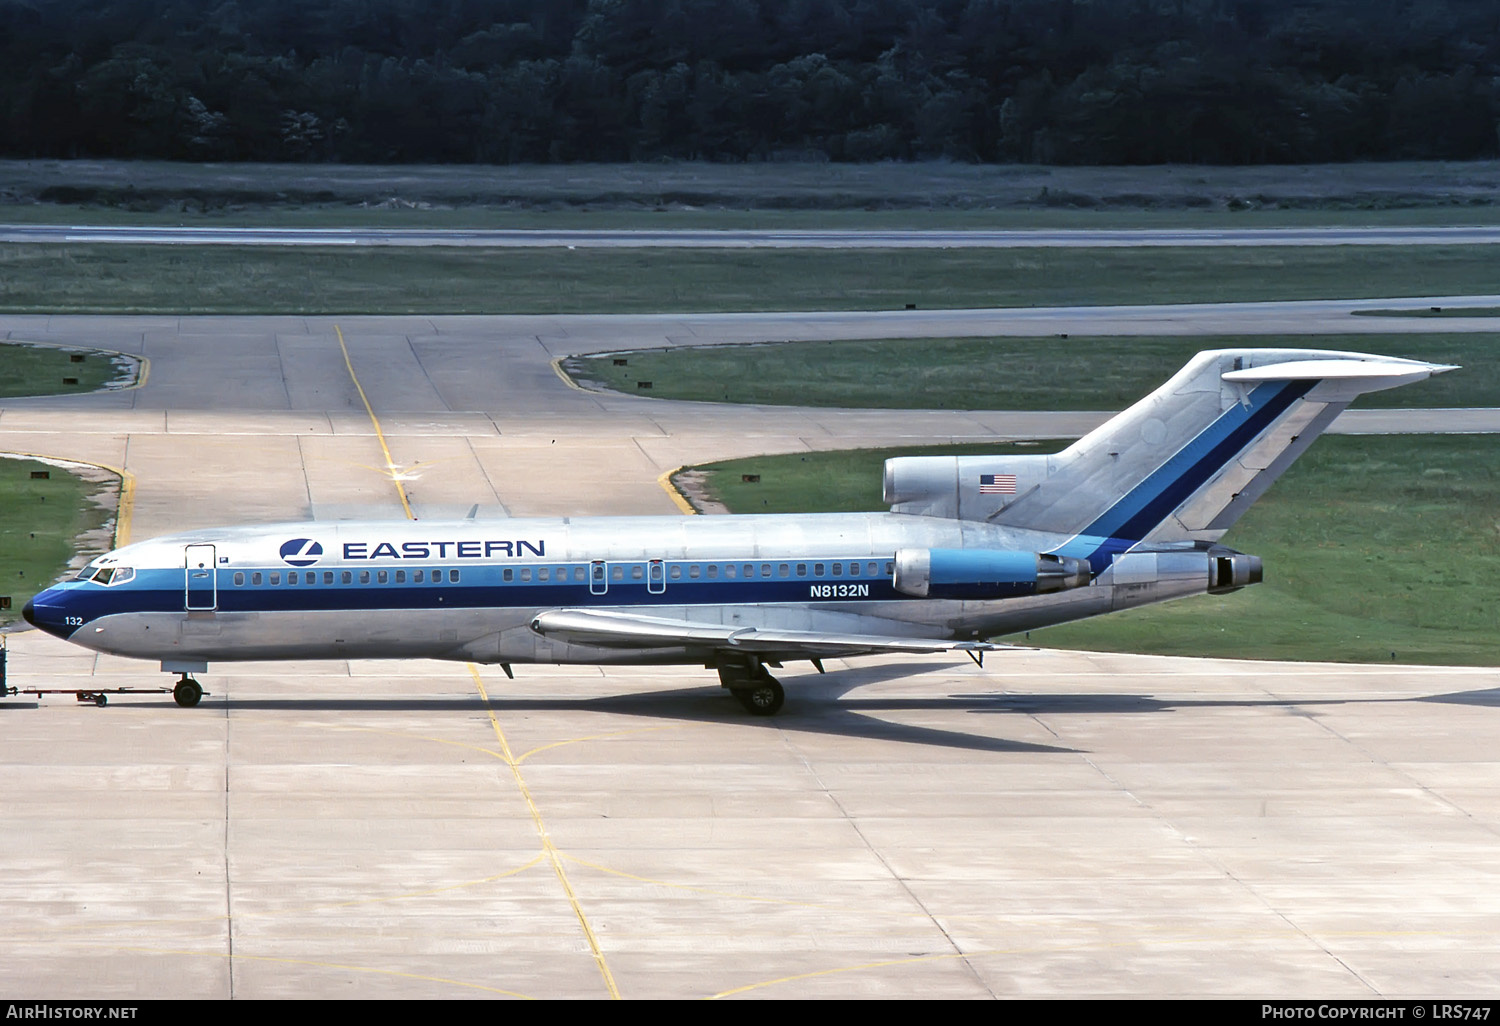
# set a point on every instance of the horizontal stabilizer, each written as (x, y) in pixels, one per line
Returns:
(1372, 368)
(616, 629)
(1371, 373)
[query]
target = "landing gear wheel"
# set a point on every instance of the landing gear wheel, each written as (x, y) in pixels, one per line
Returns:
(765, 698)
(187, 692)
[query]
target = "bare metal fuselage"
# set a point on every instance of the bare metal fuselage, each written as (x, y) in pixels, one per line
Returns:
(827, 572)
(974, 547)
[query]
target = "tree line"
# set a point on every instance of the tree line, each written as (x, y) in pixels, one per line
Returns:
(505, 81)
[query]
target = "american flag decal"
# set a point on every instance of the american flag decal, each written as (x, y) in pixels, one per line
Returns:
(997, 484)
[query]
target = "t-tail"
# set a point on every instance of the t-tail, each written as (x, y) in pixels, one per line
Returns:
(1180, 466)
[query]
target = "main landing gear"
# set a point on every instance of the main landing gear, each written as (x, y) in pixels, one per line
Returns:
(188, 692)
(753, 686)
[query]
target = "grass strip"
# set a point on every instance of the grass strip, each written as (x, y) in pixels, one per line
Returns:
(1377, 549)
(1007, 373)
(49, 370)
(915, 193)
(45, 521)
(1434, 311)
(103, 278)
(736, 212)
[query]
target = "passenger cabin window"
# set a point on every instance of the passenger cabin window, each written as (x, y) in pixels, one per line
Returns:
(255, 579)
(239, 580)
(617, 573)
(276, 577)
(327, 576)
(419, 576)
(694, 571)
(508, 575)
(526, 573)
(452, 576)
(347, 577)
(676, 573)
(382, 576)
(713, 571)
(400, 576)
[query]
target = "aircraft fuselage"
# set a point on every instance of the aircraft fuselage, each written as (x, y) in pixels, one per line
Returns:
(470, 590)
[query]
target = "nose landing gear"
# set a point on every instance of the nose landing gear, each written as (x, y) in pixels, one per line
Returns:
(188, 692)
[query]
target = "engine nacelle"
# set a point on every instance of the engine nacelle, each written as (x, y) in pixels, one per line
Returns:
(1230, 571)
(985, 573)
(961, 487)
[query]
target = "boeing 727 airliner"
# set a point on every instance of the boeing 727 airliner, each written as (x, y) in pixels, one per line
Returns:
(973, 547)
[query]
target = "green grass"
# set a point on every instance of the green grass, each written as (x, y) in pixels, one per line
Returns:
(644, 215)
(99, 278)
(44, 370)
(1077, 373)
(1372, 546)
(1434, 311)
(41, 522)
(755, 194)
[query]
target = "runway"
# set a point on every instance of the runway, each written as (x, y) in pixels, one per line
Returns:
(851, 238)
(1052, 825)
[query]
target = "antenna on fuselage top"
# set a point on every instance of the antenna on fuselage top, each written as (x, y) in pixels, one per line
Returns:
(473, 512)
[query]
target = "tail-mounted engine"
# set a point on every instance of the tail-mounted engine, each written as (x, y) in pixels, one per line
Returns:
(985, 573)
(961, 487)
(1230, 571)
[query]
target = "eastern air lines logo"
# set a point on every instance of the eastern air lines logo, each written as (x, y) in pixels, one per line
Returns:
(301, 552)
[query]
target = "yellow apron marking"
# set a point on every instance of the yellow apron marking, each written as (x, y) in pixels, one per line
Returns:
(567, 379)
(676, 496)
(547, 846)
(505, 754)
(391, 469)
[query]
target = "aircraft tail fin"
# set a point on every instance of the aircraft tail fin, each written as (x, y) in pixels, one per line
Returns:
(1181, 465)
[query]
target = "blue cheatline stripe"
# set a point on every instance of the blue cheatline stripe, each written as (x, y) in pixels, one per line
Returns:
(481, 587)
(1138, 511)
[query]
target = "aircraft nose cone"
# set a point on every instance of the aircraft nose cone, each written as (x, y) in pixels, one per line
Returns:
(48, 614)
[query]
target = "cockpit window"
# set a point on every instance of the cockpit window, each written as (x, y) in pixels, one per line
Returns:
(110, 575)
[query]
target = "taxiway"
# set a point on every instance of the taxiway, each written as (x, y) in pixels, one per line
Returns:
(1054, 824)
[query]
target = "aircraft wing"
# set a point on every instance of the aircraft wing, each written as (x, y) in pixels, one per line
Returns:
(614, 629)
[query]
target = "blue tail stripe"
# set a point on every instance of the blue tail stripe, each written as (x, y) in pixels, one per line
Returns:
(1137, 512)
